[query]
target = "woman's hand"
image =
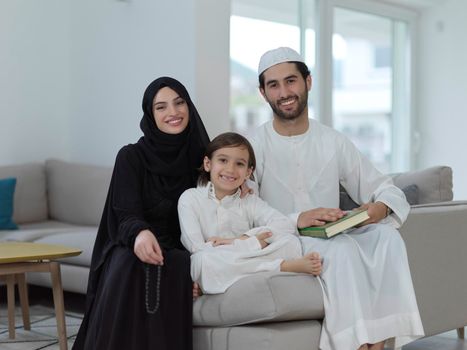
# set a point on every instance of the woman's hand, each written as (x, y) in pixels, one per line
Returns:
(319, 216)
(197, 292)
(147, 248)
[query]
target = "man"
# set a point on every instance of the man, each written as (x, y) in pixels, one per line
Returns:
(367, 288)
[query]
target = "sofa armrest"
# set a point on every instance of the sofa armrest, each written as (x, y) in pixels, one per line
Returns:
(414, 208)
(436, 238)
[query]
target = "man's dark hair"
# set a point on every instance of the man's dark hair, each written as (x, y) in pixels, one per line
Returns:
(226, 140)
(302, 68)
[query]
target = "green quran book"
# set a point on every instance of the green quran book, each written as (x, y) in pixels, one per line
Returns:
(330, 229)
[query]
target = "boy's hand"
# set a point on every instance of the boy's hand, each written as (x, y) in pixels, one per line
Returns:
(216, 241)
(261, 237)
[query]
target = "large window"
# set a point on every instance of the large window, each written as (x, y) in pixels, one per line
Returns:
(363, 108)
(359, 54)
(362, 84)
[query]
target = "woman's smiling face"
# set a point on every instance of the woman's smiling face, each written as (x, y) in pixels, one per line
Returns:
(170, 111)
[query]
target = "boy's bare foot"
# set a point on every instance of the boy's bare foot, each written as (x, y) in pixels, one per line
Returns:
(310, 263)
(376, 346)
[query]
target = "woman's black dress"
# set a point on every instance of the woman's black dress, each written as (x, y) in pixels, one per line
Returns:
(131, 304)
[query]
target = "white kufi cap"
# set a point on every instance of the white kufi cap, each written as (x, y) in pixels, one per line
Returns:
(280, 55)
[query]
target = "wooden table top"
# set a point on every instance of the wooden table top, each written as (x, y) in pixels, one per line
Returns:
(11, 252)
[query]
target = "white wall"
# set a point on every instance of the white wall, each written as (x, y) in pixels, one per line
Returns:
(443, 90)
(117, 49)
(213, 63)
(75, 71)
(34, 80)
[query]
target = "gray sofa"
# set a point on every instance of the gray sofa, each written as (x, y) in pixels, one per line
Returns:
(59, 202)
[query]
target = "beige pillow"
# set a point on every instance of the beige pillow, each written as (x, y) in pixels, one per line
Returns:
(434, 184)
(77, 192)
(30, 199)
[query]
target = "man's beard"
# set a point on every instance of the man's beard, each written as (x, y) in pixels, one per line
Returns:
(294, 114)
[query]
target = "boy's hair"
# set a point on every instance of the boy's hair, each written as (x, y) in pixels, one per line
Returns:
(302, 68)
(226, 140)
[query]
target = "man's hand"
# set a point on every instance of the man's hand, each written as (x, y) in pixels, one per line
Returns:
(319, 216)
(376, 211)
(245, 189)
(147, 248)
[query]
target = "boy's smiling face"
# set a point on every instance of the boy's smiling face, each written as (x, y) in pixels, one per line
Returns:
(228, 169)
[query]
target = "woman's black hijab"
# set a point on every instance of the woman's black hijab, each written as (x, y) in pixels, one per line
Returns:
(173, 158)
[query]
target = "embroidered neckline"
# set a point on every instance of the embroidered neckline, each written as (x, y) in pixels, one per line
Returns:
(227, 198)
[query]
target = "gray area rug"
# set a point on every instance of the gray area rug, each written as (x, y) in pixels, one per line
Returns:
(43, 333)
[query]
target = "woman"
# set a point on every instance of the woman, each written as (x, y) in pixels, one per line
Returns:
(140, 291)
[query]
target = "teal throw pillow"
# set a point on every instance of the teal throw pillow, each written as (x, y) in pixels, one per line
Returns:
(7, 192)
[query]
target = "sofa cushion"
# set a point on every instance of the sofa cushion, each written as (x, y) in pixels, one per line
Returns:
(296, 335)
(262, 297)
(77, 192)
(7, 192)
(37, 230)
(30, 199)
(81, 238)
(434, 184)
(412, 194)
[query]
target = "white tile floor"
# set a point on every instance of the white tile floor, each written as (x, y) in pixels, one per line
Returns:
(444, 341)
(43, 333)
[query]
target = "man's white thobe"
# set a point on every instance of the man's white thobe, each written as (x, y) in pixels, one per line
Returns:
(367, 287)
